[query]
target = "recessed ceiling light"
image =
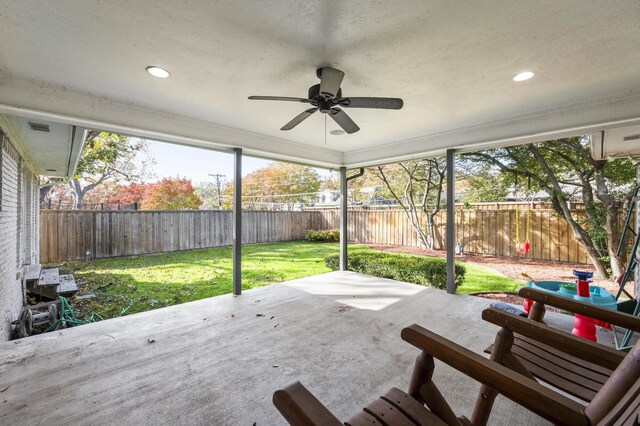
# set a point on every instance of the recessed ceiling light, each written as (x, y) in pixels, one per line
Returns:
(158, 72)
(337, 132)
(526, 75)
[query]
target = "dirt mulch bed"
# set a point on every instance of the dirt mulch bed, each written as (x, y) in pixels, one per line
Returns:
(539, 270)
(512, 298)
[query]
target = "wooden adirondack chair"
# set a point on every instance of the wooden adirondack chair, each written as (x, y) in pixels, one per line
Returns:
(617, 402)
(576, 366)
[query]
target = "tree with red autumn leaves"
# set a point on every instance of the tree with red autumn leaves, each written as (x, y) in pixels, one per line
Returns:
(128, 194)
(170, 194)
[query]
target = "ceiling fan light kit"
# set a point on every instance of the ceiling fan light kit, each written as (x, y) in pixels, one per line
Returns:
(326, 97)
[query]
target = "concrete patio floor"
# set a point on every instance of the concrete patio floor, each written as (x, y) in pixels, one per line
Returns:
(217, 361)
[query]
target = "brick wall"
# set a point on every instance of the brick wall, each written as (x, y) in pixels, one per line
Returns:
(18, 230)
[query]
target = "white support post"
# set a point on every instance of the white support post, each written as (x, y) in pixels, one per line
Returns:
(343, 219)
(237, 222)
(451, 221)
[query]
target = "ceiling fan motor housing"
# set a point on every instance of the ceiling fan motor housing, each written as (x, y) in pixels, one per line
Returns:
(324, 105)
(314, 93)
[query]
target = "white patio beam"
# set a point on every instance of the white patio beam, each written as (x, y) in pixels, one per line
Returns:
(59, 104)
(552, 123)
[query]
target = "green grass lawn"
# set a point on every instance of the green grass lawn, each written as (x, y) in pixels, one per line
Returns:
(146, 282)
(479, 279)
(152, 281)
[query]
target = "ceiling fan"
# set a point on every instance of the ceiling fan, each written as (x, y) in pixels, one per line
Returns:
(326, 97)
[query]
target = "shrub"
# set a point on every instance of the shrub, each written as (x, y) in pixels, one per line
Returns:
(324, 235)
(427, 271)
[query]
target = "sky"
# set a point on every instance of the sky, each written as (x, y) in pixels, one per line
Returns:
(197, 164)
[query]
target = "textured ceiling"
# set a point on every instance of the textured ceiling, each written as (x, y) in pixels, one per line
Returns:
(452, 63)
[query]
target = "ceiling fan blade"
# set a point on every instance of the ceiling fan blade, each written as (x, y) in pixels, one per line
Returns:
(299, 119)
(278, 98)
(379, 103)
(330, 81)
(343, 120)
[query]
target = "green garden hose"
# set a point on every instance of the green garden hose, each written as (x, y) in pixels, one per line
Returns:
(70, 317)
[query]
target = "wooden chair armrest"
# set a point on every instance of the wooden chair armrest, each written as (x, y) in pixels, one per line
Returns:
(526, 392)
(616, 318)
(558, 339)
(300, 408)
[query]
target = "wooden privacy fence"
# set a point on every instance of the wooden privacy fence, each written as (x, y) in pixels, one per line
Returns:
(68, 234)
(490, 232)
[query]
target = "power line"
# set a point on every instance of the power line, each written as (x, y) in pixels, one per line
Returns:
(283, 183)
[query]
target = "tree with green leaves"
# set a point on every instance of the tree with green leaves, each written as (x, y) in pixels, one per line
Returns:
(108, 157)
(565, 170)
(211, 194)
(275, 186)
(482, 183)
(417, 187)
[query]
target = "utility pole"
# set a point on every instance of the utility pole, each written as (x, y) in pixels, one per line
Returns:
(219, 186)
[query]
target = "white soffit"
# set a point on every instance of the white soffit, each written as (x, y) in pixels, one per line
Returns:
(83, 62)
(52, 147)
(622, 142)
